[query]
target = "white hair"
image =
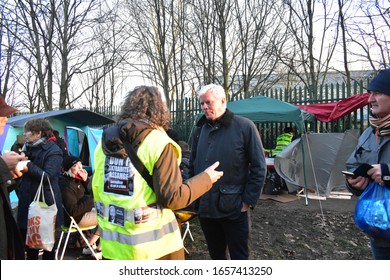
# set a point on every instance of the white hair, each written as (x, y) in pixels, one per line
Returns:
(216, 90)
(69, 173)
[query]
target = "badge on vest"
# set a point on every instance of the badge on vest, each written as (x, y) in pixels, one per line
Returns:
(116, 215)
(119, 176)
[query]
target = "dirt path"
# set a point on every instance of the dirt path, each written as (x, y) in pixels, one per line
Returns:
(292, 231)
(295, 230)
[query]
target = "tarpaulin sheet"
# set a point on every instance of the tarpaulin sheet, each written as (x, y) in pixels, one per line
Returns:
(328, 112)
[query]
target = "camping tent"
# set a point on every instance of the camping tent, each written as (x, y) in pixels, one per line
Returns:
(325, 156)
(314, 160)
(66, 122)
(265, 109)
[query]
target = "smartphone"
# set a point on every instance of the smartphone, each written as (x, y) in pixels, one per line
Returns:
(350, 174)
(362, 170)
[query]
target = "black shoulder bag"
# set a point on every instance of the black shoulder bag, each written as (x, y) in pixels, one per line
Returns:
(182, 215)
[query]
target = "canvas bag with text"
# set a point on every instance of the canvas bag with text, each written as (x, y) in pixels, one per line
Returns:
(41, 220)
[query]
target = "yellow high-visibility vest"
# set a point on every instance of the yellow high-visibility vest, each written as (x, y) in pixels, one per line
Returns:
(282, 141)
(132, 225)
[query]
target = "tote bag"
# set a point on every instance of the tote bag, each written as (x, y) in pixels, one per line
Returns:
(41, 221)
(372, 211)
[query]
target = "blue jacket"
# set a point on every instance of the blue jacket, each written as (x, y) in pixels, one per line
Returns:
(372, 151)
(235, 142)
(44, 158)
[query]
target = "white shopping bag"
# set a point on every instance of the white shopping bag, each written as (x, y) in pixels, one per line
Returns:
(41, 221)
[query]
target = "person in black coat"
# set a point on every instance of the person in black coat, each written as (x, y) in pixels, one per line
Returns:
(61, 143)
(233, 141)
(45, 157)
(11, 242)
(77, 199)
(185, 160)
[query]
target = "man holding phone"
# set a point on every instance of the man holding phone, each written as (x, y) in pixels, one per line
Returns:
(348, 174)
(362, 171)
(370, 161)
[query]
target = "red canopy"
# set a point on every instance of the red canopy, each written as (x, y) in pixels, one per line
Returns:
(328, 112)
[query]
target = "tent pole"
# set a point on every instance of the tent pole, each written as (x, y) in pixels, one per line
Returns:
(306, 196)
(303, 134)
(304, 169)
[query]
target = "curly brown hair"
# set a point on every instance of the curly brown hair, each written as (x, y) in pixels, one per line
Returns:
(145, 103)
(39, 125)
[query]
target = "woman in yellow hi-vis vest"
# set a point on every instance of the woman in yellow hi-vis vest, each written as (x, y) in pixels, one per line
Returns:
(136, 221)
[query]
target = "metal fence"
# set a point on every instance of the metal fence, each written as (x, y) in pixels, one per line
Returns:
(185, 111)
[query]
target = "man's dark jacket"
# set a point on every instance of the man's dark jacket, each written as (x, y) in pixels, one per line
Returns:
(235, 142)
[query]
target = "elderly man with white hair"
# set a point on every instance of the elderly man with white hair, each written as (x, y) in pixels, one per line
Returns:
(235, 142)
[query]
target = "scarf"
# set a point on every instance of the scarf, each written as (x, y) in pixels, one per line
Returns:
(37, 143)
(381, 125)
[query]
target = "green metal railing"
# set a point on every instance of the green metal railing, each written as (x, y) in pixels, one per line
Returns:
(184, 112)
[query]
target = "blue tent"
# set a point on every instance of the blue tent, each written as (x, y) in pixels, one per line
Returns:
(81, 129)
(73, 125)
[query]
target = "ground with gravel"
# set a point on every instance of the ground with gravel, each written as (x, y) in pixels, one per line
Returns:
(317, 230)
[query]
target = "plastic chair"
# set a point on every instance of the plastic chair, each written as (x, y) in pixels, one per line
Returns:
(73, 227)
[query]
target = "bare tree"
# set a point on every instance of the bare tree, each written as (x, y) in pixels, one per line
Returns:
(232, 43)
(51, 34)
(309, 42)
(156, 41)
(368, 34)
(28, 86)
(180, 76)
(342, 24)
(108, 68)
(27, 46)
(257, 33)
(201, 37)
(72, 23)
(212, 36)
(8, 60)
(63, 53)
(225, 23)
